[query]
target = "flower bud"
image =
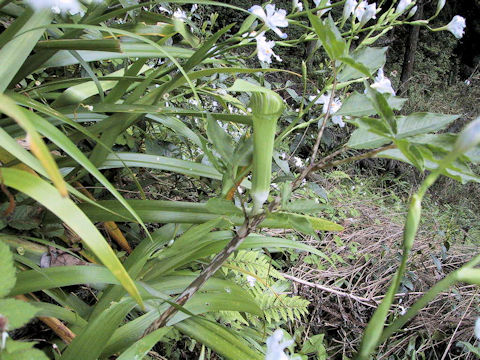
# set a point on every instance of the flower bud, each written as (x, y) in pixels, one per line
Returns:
(440, 5)
(413, 220)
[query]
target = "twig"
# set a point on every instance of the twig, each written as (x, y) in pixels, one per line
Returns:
(322, 165)
(362, 300)
(247, 227)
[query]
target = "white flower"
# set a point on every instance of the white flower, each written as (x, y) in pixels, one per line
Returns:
(180, 15)
(467, 82)
(383, 84)
(298, 161)
(413, 11)
(264, 49)
(251, 280)
(164, 9)
(57, 6)
(364, 12)
(360, 10)
(194, 8)
(402, 5)
(272, 18)
(370, 11)
(457, 26)
(275, 346)
(477, 328)
(349, 8)
(334, 107)
(298, 5)
(324, 11)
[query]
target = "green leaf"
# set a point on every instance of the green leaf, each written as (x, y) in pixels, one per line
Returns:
(382, 107)
(69, 213)
(218, 338)
(159, 211)
(23, 352)
(370, 57)
(414, 124)
(456, 170)
(470, 348)
(16, 51)
(89, 344)
(25, 217)
(17, 312)
(421, 123)
(359, 105)
(314, 345)
(54, 277)
(222, 207)
(133, 160)
(221, 141)
(328, 34)
(6, 269)
(140, 348)
(178, 127)
(38, 147)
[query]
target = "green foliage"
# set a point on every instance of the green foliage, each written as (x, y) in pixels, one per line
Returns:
(109, 99)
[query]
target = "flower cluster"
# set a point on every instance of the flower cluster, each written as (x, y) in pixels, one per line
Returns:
(273, 19)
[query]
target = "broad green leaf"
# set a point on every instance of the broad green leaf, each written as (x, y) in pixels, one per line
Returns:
(363, 139)
(221, 141)
(69, 213)
(17, 312)
(20, 350)
(372, 58)
(329, 36)
(421, 123)
(359, 105)
(411, 125)
(456, 170)
(218, 338)
(6, 269)
(382, 108)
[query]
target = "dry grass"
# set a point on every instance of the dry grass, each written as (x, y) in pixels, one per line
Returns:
(344, 296)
